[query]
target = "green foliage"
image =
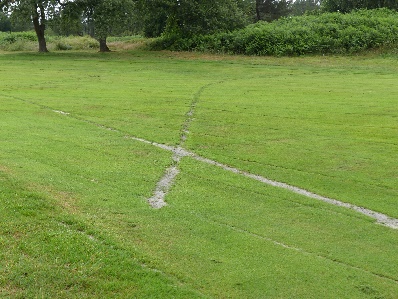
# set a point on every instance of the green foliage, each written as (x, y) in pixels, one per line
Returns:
(18, 41)
(191, 17)
(325, 33)
(134, 38)
(73, 43)
(301, 7)
(345, 6)
(101, 17)
(154, 16)
(5, 23)
(107, 16)
(15, 36)
(38, 12)
(68, 21)
(62, 46)
(270, 10)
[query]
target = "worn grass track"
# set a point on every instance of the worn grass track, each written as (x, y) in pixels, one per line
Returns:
(74, 188)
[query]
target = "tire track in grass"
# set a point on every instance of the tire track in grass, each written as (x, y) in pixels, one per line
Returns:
(179, 152)
(157, 201)
(379, 217)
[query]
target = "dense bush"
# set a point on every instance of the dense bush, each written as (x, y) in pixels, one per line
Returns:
(349, 5)
(15, 36)
(62, 43)
(18, 41)
(324, 33)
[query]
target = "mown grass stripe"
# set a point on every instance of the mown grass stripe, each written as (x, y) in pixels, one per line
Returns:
(297, 249)
(380, 218)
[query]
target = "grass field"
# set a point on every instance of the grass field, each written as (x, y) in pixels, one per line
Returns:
(83, 145)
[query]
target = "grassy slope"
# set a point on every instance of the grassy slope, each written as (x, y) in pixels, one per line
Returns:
(330, 130)
(72, 193)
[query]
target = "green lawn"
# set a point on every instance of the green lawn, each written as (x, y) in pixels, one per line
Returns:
(74, 221)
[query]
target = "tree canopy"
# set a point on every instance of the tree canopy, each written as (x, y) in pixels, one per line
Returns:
(39, 11)
(190, 17)
(182, 18)
(345, 6)
(102, 17)
(300, 7)
(5, 23)
(269, 10)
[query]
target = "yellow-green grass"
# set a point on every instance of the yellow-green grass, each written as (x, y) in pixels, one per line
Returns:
(73, 213)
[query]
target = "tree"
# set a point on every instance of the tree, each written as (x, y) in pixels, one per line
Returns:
(68, 20)
(191, 17)
(300, 7)
(37, 10)
(154, 15)
(5, 23)
(345, 6)
(269, 10)
(103, 17)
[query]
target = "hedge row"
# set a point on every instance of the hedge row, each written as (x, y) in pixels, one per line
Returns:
(323, 33)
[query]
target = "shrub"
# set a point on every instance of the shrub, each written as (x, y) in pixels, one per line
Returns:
(73, 43)
(62, 47)
(18, 41)
(324, 33)
(27, 41)
(25, 36)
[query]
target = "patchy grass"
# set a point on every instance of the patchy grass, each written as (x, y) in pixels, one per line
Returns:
(27, 41)
(73, 212)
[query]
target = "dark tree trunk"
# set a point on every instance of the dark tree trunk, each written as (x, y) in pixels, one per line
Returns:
(40, 27)
(103, 45)
(258, 16)
(41, 39)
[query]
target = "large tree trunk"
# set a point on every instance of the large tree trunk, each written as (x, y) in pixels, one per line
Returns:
(103, 45)
(40, 37)
(40, 27)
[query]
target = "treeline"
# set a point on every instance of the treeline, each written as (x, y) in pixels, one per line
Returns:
(217, 25)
